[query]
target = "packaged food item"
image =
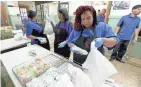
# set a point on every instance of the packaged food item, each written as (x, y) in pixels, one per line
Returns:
(47, 79)
(27, 71)
(41, 72)
(37, 60)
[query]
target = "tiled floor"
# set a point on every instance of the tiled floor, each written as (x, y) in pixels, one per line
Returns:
(129, 75)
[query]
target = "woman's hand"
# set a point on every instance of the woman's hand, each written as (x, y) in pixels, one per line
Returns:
(108, 42)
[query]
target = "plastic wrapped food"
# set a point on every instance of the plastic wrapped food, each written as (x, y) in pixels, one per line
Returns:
(28, 70)
(41, 72)
(48, 78)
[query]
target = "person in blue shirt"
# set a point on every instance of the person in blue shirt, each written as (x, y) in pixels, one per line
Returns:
(34, 31)
(87, 30)
(126, 26)
(98, 12)
(62, 31)
(101, 16)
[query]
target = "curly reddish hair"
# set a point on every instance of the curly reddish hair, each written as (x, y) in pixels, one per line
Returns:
(79, 11)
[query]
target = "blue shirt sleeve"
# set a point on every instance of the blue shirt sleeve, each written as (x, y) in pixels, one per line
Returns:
(109, 33)
(120, 22)
(29, 29)
(74, 35)
(71, 37)
(104, 30)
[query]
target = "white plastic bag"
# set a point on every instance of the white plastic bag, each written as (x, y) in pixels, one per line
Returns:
(18, 36)
(64, 82)
(98, 68)
(25, 37)
(48, 27)
(78, 77)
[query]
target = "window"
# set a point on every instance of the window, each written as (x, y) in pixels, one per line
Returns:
(23, 13)
(64, 5)
(42, 11)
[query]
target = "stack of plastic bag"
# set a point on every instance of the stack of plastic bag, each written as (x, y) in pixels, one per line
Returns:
(78, 77)
(64, 82)
(48, 27)
(97, 67)
(74, 78)
(18, 36)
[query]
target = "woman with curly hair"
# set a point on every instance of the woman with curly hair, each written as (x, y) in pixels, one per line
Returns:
(86, 30)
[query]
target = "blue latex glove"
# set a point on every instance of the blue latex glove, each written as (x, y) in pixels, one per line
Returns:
(62, 44)
(78, 50)
(99, 42)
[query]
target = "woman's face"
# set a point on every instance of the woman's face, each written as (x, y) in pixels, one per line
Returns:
(87, 19)
(60, 16)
